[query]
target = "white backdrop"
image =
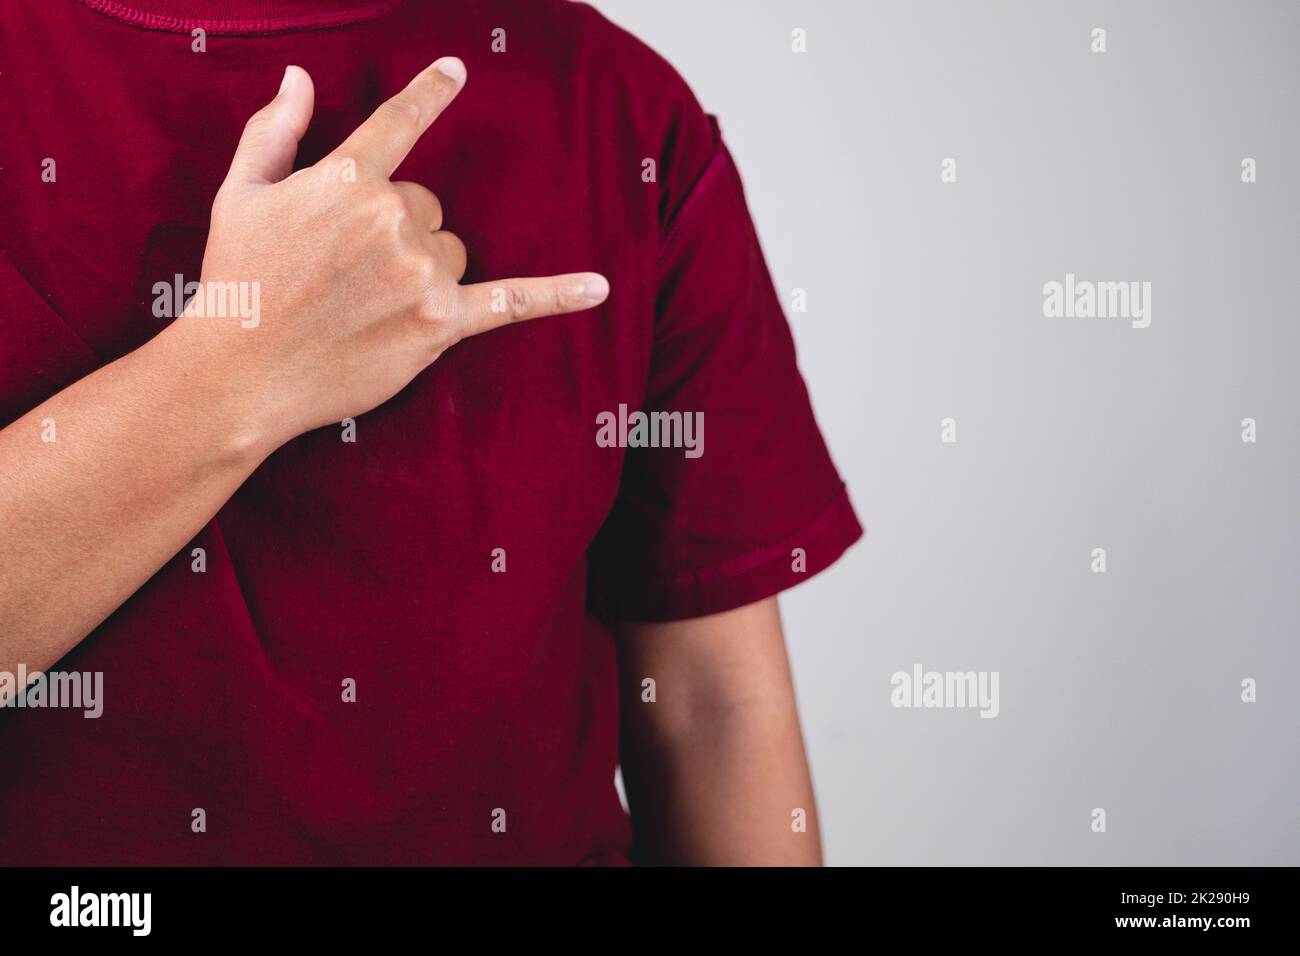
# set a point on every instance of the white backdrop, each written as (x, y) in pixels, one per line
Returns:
(1120, 691)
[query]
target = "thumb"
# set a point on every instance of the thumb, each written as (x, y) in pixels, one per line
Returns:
(270, 138)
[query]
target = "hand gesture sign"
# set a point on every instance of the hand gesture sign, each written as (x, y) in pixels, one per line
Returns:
(359, 286)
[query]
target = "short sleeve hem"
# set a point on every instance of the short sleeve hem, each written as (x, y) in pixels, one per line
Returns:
(746, 578)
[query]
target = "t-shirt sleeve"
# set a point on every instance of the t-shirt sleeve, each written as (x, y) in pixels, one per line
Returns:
(762, 507)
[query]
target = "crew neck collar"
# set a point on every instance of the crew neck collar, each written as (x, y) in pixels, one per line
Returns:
(251, 17)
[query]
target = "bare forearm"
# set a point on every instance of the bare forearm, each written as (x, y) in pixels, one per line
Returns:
(103, 483)
(715, 767)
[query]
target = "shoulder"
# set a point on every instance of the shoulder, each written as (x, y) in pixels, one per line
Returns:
(576, 45)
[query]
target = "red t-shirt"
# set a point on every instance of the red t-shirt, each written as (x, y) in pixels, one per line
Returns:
(477, 690)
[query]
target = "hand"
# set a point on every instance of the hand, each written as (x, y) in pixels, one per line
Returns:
(357, 287)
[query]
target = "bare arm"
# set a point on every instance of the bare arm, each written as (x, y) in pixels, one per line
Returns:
(359, 291)
(715, 769)
(145, 451)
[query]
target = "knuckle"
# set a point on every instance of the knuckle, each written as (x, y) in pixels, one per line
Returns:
(403, 110)
(421, 199)
(387, 206)
(520, 300)
(258, 123)
(441, 314)
(425, 272)
(557, 299)
(454, 246)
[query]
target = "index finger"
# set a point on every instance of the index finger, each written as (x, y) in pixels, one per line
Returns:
(384, 139)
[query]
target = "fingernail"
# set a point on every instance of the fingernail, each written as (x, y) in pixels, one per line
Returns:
(595, 289)
(452, 67)
(284, 83)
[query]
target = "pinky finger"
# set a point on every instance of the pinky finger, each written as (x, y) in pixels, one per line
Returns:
(488, 305)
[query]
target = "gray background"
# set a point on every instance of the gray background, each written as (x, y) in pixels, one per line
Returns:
(1122, 690)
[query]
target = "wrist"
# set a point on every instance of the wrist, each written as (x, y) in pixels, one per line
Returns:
(224, 409)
